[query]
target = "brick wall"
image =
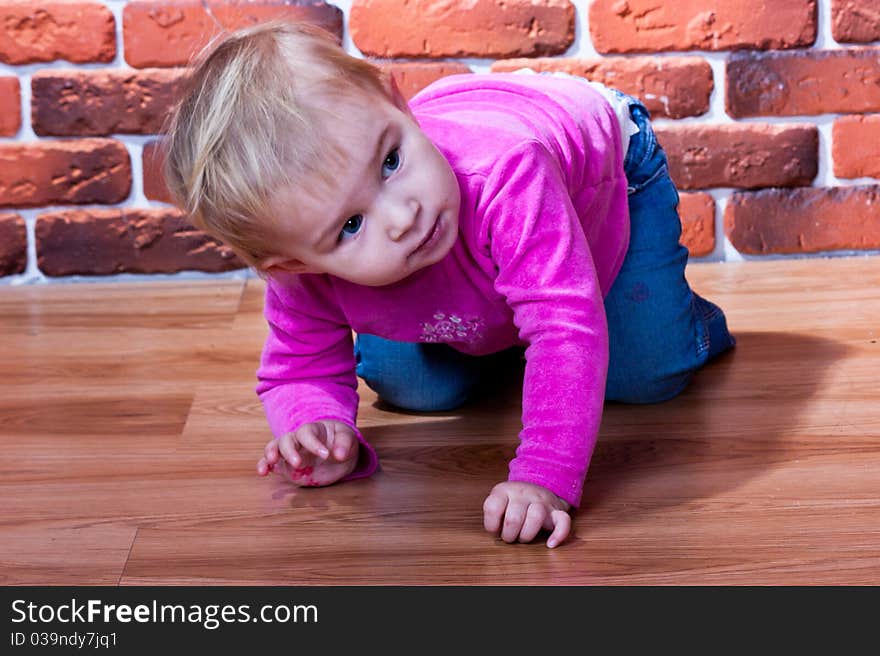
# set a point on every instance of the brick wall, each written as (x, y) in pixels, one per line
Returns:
(769, 111)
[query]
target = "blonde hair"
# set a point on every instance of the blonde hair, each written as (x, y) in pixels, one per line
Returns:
(248, 123)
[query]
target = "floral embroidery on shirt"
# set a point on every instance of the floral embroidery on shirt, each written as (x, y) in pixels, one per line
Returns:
(452, 328)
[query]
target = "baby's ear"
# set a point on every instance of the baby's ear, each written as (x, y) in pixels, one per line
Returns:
(281, 264)
(397, 97)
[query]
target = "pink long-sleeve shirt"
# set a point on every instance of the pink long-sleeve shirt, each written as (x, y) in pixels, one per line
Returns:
(543, 230)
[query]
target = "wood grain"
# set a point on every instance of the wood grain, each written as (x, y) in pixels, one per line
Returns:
(130, 432)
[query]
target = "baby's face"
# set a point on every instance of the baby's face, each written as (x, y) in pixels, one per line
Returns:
(391, 210)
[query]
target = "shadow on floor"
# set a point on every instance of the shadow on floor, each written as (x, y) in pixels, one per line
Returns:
(733, 422)
(736, 419)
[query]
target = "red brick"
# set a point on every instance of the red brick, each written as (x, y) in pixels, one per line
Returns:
(657, 25)
(13, 245)
(102, 102)
(64, 172)
(854, 146)
(170, 33)
(804, 220)
(413, 77)
(79, 32)
(10, 106)
(742, 155)
(477, 28)
(154, 180)
(697, 213)
(102, 242)
(855, 21)
(804, 83)
(670, 87)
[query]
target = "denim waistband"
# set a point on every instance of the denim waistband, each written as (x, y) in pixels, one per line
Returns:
(642, 144)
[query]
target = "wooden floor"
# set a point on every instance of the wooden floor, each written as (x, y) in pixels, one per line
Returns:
(130, 433)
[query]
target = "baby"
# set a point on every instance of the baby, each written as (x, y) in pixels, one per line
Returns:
(493, 213)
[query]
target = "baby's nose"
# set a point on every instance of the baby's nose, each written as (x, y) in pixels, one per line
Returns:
(402, 217)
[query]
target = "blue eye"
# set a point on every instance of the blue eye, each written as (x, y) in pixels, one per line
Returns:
(352, 226)
(392, 162)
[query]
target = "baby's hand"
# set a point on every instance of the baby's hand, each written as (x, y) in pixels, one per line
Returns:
(313, 455)
(525, 509)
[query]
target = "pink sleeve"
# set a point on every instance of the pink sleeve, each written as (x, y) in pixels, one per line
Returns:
(307, 368)
(546, 273)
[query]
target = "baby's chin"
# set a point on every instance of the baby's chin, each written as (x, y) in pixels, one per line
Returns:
(379, 281)
(399, 276)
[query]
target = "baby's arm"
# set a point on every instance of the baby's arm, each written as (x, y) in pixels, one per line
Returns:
(308, 386)
(546, 272)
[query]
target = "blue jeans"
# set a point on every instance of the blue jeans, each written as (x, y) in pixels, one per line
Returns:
(660, 332)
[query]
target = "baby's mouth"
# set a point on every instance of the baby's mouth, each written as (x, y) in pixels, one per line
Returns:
(430, 235)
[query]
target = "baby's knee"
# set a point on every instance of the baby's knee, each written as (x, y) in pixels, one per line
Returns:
(416, 377)
(408, 397)
(407, 390)
(646, 388)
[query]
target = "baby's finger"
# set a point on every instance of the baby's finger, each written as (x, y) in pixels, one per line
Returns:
(343, 443)
(263, 467)
(493, 511)
(287, 445)
(535, 516)
(310, 437)
(514, 517)
(329, 430)
(561, 527)
(282, 469)
(271, 452)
